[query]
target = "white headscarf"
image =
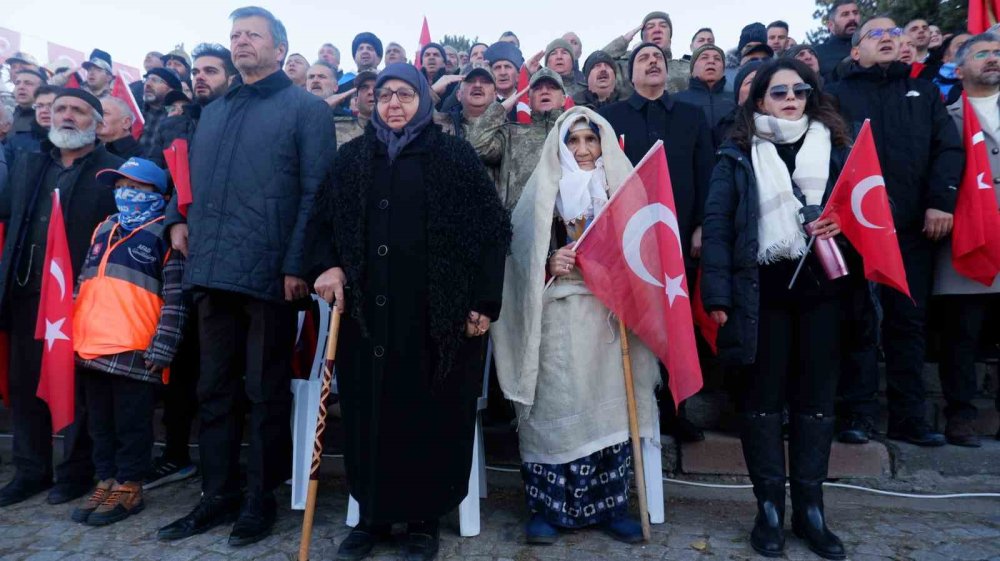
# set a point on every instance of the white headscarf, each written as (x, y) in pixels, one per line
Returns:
(582, 193)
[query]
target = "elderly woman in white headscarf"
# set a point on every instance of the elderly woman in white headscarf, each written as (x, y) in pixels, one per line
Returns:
(557, 349)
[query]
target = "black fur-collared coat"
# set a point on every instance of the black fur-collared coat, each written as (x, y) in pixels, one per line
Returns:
(422, 242)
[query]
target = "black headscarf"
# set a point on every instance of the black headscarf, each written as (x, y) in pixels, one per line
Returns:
(395, 141)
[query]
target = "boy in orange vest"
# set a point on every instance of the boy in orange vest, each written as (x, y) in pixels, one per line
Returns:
(127, 324)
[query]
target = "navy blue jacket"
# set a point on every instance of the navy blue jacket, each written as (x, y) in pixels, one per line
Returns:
(729, 269)
(258, 158)
(716, 102)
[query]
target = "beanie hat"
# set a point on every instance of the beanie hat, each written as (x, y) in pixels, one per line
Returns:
(596, 58)
(792, 52)
(631, 58)
(85, 96)
(559, 44)
(753, 33)
(179, 55)
(366, 37)
(742, 74)
(655, 15)
(168, 76)
(435, 46)
(698, 52)
(503, 50)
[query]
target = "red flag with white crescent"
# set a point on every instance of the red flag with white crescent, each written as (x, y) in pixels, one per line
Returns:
(56, 385)
(425, 37)
(631, 259)
(860, 204)
(121, 90)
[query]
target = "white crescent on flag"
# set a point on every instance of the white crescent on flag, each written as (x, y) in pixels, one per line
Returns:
(640, 223)
(858, 197)
(57, 273)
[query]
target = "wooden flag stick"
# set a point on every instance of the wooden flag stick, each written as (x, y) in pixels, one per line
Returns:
(331, 355)
(633, 431)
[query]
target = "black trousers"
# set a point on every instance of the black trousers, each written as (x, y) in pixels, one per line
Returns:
(120, 419)
(32, 422)
(963, 319)
(246, 350)
(798, 346)
(180, 396)
(903, 342)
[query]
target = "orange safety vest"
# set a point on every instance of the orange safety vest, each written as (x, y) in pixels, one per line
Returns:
(120, 299)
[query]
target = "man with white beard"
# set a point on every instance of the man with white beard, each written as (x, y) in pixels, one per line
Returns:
(25, 206)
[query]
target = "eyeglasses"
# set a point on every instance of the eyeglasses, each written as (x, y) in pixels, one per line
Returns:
(404, 95)
(780, 92)
(876, 34)
(983, 55)
(38, 106)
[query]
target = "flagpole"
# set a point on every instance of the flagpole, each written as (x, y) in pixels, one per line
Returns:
(633, 430)
(802, 262)
(331, 355)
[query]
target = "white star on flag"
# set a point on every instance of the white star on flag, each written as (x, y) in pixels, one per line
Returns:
(53, 332)
(675, 287)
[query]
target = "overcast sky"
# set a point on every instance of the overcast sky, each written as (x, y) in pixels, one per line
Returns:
(130, 28)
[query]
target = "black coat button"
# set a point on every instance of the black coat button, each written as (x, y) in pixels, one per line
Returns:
(383, 250)
(379, 351)
(380, 300)
(996, 150)
(383, 204)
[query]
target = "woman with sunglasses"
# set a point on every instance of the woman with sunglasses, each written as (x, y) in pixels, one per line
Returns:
(417, 239)
(774, 174)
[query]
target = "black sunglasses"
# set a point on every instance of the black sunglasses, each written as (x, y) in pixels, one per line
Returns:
(780, 92)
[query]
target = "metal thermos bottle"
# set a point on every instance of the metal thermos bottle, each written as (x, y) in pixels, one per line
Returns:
(827, 252)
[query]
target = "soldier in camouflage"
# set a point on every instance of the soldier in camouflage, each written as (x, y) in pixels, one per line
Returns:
(656, 28)
(349, 128)
(475, 94)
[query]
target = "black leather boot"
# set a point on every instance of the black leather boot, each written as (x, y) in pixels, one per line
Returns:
(764, 452)
(809, 457)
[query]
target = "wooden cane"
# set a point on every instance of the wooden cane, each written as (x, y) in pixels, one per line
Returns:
(331, 355)
(633, 430)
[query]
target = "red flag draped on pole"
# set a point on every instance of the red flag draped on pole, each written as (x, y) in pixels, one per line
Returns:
(982, 14)
(121, 90)
(56, 385)
(631, 259)
(176, 156)
(861, 205)
(975, 239)
(425, 37)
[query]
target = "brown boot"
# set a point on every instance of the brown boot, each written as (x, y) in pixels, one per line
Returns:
(81, 513)
(124, 500)
(961, 432)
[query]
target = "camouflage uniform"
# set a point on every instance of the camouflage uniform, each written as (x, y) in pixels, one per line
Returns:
(678, 71)
(513, 147)
(349, 128)
(587, 99)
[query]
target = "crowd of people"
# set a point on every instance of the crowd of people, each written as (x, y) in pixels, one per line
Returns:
(431, 203)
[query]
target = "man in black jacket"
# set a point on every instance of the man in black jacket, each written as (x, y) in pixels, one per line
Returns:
(707, 86)
(258, 157)
(842, 20)
(26, 205)
(921, 156)
(652, 114)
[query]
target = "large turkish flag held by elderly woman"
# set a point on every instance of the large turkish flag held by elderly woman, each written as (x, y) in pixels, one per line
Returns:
(631, 259)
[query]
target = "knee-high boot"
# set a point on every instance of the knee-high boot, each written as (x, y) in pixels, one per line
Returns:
(809, 458)
(764, 452)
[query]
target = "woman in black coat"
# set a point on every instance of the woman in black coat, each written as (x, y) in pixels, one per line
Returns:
(416, 264)
(784, 156)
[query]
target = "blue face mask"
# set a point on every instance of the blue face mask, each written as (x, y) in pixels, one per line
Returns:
(136, 207)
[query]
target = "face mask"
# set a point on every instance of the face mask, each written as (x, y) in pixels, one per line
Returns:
(136, 207)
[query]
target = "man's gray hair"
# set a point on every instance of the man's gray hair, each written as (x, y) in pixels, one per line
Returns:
(332, 46)
(963, 51)
(98, 118)
(328, 66)
(278, 33)
(858, 36)
(120, 106)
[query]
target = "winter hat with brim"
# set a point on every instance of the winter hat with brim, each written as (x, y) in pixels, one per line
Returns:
(136, 169)
(479, 69)
(437, 47)
(635, 53)
(84, 95)
(741, 75)
(23, 58)
(757, 48)
(559, 44)
(705, 48)
(100, 59)
(546, 74)
(366, 37)
(503, 50)
(597, 57)
(167, 75)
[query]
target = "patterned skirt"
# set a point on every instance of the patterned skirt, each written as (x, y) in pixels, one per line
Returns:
(590, 490)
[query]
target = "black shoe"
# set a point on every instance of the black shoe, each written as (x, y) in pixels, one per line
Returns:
(209, 513)
(66, 491)
(19, 490)
(422, 541)
(359, 543)
(255, 521)
(166, 471)
(764, 452)
(961, 432)
(809, 460)
(857, 430)
(915, 431)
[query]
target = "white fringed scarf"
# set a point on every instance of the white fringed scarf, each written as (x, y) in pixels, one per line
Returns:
(780, 236)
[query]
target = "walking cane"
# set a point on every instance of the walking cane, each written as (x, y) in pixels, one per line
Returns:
(331, 355)
(633, 431)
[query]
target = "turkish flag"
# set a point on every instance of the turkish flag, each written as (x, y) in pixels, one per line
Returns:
(860, 204)
(121, 90)
(425, 37)
(176, 156)
(10, 43)
(982, 15)
(975, 239)
(4, 343)
(631, 259)
(57, 382)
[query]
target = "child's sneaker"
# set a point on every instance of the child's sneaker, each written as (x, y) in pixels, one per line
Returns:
(81, 513)
(124, 500)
